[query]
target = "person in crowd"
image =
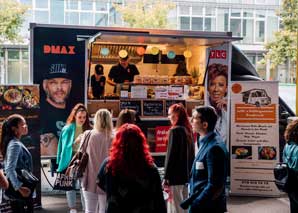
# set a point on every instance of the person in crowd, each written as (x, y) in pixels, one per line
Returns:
(98, 149)
(3, 182)
(290, 156)
(217, 95)
(209, 169)
(98, 81)
(126, 116)
(181, 69)
(129, 176)
(16, 157)
(69, 143)
(57, 85)
(179, 156)
(121, 73)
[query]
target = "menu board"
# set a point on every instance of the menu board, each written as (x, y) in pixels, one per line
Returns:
(171, 102)
(131, 104)
(254, 137)
(153, 108)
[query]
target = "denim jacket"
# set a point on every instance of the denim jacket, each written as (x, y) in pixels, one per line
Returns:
(17, 157)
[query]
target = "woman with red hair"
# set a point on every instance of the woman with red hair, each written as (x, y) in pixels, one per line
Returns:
(180, 155)
(129, 177)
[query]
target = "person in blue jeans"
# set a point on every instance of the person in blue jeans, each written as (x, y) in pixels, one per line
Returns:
(16, 157)
(69, 143)
(290, 156)
(209, 169)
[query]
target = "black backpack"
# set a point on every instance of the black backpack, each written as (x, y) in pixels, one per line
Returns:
(285, 178)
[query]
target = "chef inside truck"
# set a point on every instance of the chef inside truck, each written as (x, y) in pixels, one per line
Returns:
(122, 73)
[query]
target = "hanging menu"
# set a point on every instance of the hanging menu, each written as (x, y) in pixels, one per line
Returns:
(153, 108)
(135, 105)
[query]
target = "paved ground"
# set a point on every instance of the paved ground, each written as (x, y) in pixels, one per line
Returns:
(57, 203)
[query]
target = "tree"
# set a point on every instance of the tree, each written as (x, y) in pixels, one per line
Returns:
(284, 46)
(12, 14)
(146, 13)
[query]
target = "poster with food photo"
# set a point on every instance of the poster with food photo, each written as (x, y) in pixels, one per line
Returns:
(23, 100)
(254, 138)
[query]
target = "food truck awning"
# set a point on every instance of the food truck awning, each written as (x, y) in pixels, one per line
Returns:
(173, 37)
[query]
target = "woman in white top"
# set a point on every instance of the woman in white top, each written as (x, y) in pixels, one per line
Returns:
(98, 149)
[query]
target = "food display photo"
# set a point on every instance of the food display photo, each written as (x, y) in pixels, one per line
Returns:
(267, 153)
(18, 97)
(241, 152)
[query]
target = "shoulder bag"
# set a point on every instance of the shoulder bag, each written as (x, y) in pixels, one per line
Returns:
(285, 177)
(28, 179)
(79, 161)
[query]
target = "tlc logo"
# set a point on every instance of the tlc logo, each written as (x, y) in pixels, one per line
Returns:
(220, 54)
(58, 49)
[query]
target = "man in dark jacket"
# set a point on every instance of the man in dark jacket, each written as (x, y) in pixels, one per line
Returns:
(209, 170)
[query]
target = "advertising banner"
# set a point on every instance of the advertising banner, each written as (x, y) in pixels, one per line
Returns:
(23, 100)
(217, 81)
(254, 138)
(161, 138)
(59, 69)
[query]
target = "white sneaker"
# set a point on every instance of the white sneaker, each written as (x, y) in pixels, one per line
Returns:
(73, 211)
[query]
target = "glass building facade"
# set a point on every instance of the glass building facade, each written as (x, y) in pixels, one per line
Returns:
(254, 20)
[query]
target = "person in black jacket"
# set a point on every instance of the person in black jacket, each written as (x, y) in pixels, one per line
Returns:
(180, 155)
(129, 177)
(98, 81)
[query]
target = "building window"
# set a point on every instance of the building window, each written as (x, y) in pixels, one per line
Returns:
(13, 67)
(87, 5)
(86, 18)
(222, 20)
(184, 23)
(72, 18)
(25, 66)
(42, 4)
(101, 6)
(42, 16)
(197, 23)
(101, 19)
(57, 12)
(72, 4)
(260, 31)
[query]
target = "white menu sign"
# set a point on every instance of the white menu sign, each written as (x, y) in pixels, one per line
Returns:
(254, 137)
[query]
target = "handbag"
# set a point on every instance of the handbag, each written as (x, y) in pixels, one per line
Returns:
(79, 161)
(28, 179)
(285, 178)
(64, 182)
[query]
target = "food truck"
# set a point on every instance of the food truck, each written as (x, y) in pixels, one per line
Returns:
(155, 53)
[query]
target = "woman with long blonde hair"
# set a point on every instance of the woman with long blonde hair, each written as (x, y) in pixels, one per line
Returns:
(98, 149)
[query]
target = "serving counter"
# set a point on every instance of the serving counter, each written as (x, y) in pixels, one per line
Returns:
(153, 115)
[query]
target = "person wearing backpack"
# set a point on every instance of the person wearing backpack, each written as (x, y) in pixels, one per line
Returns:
(290, 156)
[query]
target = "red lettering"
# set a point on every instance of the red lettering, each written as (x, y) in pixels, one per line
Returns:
(46, 49)
(71, 50)
(219, 54)
(63, 50)
(55, 49)
(223, 54)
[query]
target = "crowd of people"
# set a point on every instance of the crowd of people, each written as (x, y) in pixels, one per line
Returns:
(121, 176)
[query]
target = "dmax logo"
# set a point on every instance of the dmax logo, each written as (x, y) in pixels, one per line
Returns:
(220, 54)
(58, 49)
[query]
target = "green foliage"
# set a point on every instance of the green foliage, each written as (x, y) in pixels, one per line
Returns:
(146, 13)
(11, 18)
(282, 48)
(285, 43)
